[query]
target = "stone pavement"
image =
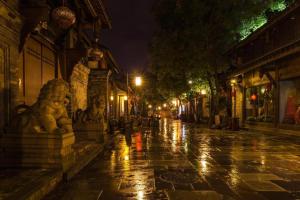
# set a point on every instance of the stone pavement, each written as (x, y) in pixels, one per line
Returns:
(34, 184)
(184, 162)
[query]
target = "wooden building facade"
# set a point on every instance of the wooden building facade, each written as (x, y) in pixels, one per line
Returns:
(34, 48)
(266, 80)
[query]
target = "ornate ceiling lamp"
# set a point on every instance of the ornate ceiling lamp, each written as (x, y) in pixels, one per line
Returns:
(96, 54)
(63, 16)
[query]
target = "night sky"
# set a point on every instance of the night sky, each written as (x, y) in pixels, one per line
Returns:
(132, 28)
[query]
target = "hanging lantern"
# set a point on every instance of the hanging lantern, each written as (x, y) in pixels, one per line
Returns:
(253, 97)
(63, 17)
(96, 54)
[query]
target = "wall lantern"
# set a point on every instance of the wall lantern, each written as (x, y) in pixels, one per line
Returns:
(233, 82)
(125, 98)
(95, 54)
(63, 17)
(111, 98)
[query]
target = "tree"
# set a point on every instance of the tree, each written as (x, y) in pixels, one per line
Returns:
(192, 37)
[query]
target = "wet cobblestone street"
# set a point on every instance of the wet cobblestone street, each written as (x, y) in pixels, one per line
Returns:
(183, 162)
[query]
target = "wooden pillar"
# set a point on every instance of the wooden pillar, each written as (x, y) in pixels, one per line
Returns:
(276, 97)
(243, 120)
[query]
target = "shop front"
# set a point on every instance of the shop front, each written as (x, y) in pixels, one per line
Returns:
(254, 98)
(259, 102)
(289, 98)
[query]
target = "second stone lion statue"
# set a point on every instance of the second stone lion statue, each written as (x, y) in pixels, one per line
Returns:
(48, 114)
(94, 111)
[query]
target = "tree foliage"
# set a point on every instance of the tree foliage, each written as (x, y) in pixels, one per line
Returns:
(193, 35)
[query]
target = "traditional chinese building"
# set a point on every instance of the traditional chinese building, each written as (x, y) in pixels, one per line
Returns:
(266, 80)
(37, 45)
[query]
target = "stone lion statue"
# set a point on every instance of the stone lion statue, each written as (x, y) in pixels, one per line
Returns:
(94, 111)
(49, 113)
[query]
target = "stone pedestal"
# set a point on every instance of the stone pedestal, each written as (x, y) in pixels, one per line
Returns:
(89, 131)
(37, 150)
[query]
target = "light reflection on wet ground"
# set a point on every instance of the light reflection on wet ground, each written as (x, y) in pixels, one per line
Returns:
(183, 162)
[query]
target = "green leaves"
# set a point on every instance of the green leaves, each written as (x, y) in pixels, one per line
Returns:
(192, 37)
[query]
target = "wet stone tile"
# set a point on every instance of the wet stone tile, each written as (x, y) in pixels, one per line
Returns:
(201, 186)
(288, 185)
(195, 195)
(162, 185)
(277, 195)
(259, 177)
(264, 186)
(194, 163)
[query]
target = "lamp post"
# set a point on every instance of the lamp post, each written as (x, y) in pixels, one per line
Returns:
(137, 82)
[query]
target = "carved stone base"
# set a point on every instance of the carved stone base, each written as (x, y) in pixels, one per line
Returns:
(89, 131)
(37, 150)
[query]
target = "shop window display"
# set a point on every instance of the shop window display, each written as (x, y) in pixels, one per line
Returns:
(290, 101)
(260, 103)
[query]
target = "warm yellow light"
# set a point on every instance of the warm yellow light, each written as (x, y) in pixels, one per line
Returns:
(125, 98)
(165, 105)
(149, 106)
(174, 102)
(190, 82)
(233, 81)
(158, 108)
(111, 98)
(203, 92)
(126, 157)
(138, 81)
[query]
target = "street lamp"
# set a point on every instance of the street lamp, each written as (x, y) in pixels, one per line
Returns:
(203, 92)
(149, 106)
(138, 81)
(174, 102)
(190, 82)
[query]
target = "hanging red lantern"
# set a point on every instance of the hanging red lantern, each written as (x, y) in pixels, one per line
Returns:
(253, 97)
(63, 17)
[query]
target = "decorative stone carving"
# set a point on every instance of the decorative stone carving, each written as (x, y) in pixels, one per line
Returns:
(94, 112)
(49, 113)
(89, 124)
(79, 87)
